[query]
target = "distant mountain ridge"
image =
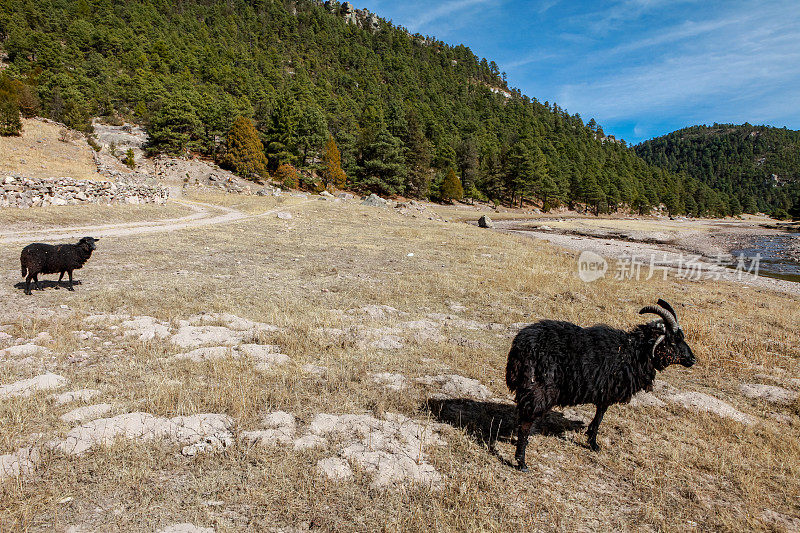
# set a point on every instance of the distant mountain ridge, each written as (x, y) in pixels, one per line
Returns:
(758, 166)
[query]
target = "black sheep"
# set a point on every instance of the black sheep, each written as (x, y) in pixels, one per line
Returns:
(555, 363)
(38, 258)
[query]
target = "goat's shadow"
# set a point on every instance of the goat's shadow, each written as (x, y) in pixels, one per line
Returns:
(488, 422)
(47, 284)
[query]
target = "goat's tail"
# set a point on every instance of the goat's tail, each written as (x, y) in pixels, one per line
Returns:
(513, 368)
(24, 268)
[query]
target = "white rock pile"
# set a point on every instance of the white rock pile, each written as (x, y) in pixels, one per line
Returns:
(22, 192)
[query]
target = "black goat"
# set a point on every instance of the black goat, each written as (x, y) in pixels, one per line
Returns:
(558, 363)
(38, 258)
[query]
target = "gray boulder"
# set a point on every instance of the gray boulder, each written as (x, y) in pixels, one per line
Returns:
(373, 200)
(485, 222)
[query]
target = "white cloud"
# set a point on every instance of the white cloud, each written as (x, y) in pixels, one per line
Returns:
(444, 10)
(743, 66)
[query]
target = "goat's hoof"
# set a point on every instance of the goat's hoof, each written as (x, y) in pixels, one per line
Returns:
(522, 467)
(70, 289)
(594, 446)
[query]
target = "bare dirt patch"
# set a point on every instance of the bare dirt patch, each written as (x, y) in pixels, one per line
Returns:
(40, 152)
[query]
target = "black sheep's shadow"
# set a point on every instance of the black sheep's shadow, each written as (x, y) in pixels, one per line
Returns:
(47, 284)
(488, 422)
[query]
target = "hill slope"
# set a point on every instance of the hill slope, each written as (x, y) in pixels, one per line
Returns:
(403, 108)
(757, 166)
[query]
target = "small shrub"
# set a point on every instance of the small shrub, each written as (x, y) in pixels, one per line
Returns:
(780, 214)
(129, 160)
(287, 176)
(93, 143)
(451, 187)
(10, 123)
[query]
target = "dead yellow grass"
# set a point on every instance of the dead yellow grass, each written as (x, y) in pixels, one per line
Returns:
(249, 204)
(661, 468)
(38, 153)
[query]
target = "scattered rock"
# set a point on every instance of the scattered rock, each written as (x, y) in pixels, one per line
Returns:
(25, 350)
(212, 430)
(423, 331)
(790, 524)
(146, 327)
(646, 399)
(266, 355)
(20, 463)
(87, 412)
(387, 342)
(700, 402)
(392, 450)
(83, 335)
(231, 322)
(196, 336)
(335, 468)
(391, 381)
(281, 427)
(308, 442)
(345, 196)
(373, 200)
(210, 353)
(769, 393)
(268, 437)
(284, 215)
(186, 527)
(27, 387)
(485, 222)
(455, 386)
(66, 397)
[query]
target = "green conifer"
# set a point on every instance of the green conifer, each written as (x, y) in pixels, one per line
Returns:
(451, 187)
(245, 154)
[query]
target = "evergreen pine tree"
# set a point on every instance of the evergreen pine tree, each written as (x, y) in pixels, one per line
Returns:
(10, 123)
(287, 176)
(281, 135)
(383, 167)
(451, 187)
(175, 127)
(332, 173)
(245, 153)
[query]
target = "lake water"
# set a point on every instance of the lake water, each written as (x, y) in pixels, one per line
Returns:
(780, 255)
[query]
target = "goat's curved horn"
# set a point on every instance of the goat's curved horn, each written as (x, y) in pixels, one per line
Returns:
(665, 305)
(663, 313)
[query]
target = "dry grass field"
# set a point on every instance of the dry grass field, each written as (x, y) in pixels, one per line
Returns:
(353, 292)
(40, 218)
(40, 153)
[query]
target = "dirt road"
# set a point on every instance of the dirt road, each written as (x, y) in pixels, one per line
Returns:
(204, 215)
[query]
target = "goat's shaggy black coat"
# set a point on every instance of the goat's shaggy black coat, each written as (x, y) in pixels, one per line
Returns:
(553, 363)
(38, 258)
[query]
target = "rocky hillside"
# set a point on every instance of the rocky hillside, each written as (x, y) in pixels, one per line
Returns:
(403, 109)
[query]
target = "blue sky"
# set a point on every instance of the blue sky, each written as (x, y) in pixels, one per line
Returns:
(641, 68)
